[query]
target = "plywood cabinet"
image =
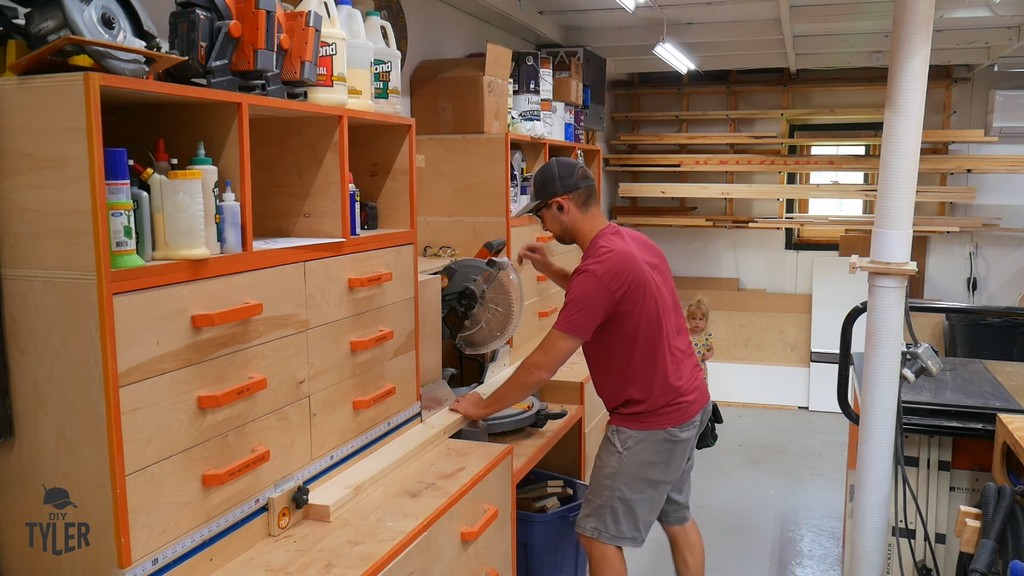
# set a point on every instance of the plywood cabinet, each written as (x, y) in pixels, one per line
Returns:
(158, 399)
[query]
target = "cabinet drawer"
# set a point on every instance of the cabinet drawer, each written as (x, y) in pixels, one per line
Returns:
(443, 549)
(342, 412)
(340, 287)
(172, 412)
(346, 348)
(531, 233)
(166, 328)
(538, 317)
(169, 498)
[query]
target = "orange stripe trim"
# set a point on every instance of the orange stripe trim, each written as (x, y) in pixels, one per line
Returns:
(108, 348)
(388, 557)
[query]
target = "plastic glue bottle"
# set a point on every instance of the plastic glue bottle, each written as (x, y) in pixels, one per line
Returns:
(360, 58)
(143, 221)
(179, 231)
(353, 206)
(205, 165)
(231, 221)
(120, 213)
(331, 86)
(387, 65)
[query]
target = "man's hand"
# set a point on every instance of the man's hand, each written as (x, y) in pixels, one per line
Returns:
(471, 406)
(538, 256)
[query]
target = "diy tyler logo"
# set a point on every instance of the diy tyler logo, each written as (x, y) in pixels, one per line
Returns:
(58, 535)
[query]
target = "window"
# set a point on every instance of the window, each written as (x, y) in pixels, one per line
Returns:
(835, 140)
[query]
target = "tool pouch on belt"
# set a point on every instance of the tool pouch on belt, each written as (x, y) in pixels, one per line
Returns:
(709, 435)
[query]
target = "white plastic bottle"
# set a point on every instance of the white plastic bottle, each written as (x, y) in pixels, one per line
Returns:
(360, 58)
(231, 222)
(210, 176)
(387, 65)
(143, 216)
(176, 201)
(331, 86)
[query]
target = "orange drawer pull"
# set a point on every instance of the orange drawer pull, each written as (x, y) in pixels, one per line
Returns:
(364, 402)
(473, 533)
(377, 339)
(255, 383)
(227, 315)
(542, 278)
(490, 572)
(220, 476)
(371, 280)
(546, 238)
(547, 312)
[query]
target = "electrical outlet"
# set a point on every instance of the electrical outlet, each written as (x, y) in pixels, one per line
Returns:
(972, 250)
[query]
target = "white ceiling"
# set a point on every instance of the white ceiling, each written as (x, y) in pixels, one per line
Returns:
(751, 34)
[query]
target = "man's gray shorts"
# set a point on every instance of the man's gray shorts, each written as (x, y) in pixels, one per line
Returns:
(640, 476)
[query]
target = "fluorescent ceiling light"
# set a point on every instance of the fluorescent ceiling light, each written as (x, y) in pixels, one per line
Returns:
(673, 56)
(629, 5)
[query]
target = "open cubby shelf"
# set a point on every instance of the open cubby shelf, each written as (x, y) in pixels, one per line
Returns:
(288, 163)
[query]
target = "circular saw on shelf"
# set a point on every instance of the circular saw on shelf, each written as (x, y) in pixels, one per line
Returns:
(111, 22)
(481, 300)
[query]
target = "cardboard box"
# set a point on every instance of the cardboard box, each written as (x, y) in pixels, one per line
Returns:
(568, 81)
(463, 95)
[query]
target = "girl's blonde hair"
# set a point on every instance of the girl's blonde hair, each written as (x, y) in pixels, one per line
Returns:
(701, 306)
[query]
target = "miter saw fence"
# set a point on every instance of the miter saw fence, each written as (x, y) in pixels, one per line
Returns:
(125, 22)
(245, 45)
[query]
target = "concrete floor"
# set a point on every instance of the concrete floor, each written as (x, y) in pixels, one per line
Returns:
(768, 497)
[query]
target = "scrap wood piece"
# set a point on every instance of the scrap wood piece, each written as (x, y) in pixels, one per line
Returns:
(968, 528)
(329, 500)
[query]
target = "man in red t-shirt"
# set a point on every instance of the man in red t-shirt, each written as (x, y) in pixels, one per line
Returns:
(621, 307)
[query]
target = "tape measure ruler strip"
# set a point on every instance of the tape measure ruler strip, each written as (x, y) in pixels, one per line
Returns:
(156, 563)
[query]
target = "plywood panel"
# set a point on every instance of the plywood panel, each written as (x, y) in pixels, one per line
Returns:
(705, 283)
(749, 301)
(429, 303)
(466, 235)
(302, 198)
(60, 427)
(462, 176)
(781, 339)
(31, 113)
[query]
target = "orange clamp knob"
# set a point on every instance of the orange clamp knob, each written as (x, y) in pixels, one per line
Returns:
(371, 280)
(220, 476)
(256, 383)
(545, 238)
(364, 402)
(227, 315)
(385, 335)
(473, 533)
(547, 312)
(542, 278)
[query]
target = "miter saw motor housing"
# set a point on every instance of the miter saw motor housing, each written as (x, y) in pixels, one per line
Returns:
(122, 22)
(245, 45)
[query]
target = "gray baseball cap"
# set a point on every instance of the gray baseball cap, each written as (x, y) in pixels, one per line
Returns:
(557, 177)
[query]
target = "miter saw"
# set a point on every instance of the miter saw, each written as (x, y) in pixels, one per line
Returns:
(41, 22)
(481, 305)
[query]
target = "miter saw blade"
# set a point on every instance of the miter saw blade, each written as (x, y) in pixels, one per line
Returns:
(495, 305)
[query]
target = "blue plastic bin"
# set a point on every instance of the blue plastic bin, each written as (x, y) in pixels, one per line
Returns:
(546, 544)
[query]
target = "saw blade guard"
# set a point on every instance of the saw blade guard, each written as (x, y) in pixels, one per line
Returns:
(490, 302)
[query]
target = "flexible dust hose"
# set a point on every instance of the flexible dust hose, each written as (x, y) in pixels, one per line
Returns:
(1013, 538)
(997, 505)
(890, 243)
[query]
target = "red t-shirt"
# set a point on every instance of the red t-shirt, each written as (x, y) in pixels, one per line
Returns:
(622, 302)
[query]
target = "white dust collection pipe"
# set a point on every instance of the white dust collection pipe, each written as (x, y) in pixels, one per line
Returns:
(890, 243)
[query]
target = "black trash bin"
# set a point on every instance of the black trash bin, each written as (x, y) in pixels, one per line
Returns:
(973, 336)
